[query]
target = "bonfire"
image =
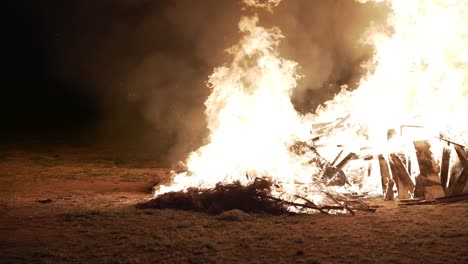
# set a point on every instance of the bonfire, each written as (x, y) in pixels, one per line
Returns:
(402, 133)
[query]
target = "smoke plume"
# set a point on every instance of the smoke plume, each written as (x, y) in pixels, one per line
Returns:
(148, 61)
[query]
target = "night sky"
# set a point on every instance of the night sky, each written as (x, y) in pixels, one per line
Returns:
(133, 72)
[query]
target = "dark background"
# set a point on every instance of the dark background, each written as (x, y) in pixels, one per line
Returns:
(131, 73)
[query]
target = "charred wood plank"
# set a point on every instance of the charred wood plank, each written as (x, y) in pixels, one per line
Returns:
(428, 171)
(320, 209)
(334, 176)
(337, 157)
(408, 165)
(345, 160)
(444, 167)
(461, 154)
(419, 187)
(369, 168)
(455, 172)
(453, 198)
(309, 202)
(399, 186)
(450, 141)
(417, 203)
(410, 200)
(389, 196)
(308, 205)
(387, 182)
(365, 209)
(461, 181)
(405, 185)
(345, 203)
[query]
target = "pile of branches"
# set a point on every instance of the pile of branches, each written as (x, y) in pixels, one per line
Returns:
(253, 198)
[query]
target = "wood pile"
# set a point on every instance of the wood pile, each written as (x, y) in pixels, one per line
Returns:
(412, 178)
(443, 180)
(434, 183)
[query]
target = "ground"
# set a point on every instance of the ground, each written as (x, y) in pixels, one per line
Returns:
(77, 205)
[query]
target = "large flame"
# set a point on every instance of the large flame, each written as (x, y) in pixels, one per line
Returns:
(419, 74)
(417, 78)
(251, 118)
(417, 84)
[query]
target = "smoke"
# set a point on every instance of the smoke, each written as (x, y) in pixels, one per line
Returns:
(325, 38)
(148, 61)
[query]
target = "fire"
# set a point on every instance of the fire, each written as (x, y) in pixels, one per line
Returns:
(251, 118)
(416, 85)
(416, 81)
(418, 75)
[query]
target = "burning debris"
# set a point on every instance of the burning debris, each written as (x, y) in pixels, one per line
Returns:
(256, 197)
(262, 155)
(430, 183)
(414, 175)
(253, 198)
(398, 181)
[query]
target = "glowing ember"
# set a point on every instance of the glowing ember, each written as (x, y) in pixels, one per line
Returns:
(417, 81)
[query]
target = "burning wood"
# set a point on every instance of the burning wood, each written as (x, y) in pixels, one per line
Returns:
(444, 167)
(430, 183)
(461, 181)
(332, 175)
(326, 128)
(429, 171)
(461, 154)
(403, 181)
(416, 202)
(387, 182)
(254, 198)
(345, 160)
(453, 198)
(253, 123)
(337, 157)
(258, 197)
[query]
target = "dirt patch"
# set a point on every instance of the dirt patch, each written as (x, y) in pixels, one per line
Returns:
(90, 217)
